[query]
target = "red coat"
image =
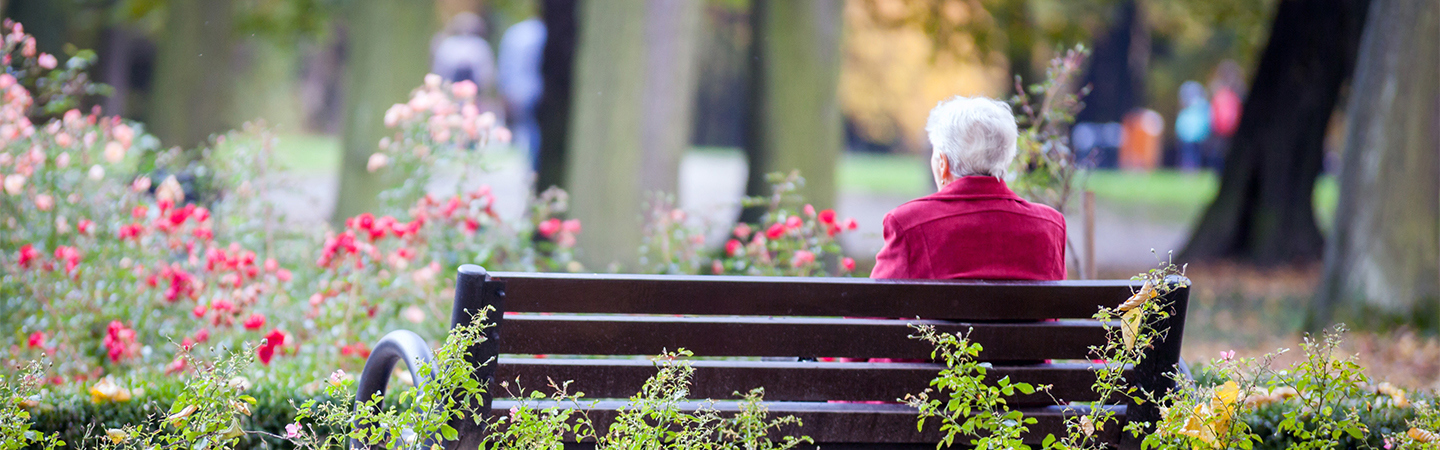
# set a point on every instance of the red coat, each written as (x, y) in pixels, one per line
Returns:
(975, 228)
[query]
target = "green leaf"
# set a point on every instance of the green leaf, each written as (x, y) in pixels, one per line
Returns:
(449, 432)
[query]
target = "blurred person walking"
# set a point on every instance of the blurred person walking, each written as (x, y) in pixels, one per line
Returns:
(1192, 125)
(520, 82)
(458, 53)
(1224, 112)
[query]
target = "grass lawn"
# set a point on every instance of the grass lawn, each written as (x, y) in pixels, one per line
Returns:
(878, 173)
(308, 153)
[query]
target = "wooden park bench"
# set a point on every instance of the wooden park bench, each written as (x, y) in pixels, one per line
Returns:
(750, 318)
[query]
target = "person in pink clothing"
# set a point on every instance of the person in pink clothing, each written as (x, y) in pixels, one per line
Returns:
(975, 227)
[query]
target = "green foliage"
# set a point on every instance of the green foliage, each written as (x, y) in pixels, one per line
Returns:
(966, 404)
(1046, 170)
(449, 392)
(657, 417)
(17, 398)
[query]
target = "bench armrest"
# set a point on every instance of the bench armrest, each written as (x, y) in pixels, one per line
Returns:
(396, 346)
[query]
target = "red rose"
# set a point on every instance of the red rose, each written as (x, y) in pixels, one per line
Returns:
(775, 231)
(549, 227)
(255, 321)
(742, 231)
(802, 258)
(827, 216)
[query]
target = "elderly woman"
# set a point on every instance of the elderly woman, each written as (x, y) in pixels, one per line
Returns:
(974, 227)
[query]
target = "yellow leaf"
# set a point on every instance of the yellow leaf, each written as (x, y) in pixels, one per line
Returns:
(1146, 293)
(116, 435)
(1422, 436)
(186, 412)
(1130, 326)
(106, 389)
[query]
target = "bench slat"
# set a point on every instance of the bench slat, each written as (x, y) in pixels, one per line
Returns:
(787, 336)
(786, 381)
(847, 422)
(789, 296)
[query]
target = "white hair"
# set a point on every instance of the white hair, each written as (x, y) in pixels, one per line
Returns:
(976, 134)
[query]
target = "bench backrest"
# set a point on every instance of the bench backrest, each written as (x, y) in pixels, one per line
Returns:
(620, 317)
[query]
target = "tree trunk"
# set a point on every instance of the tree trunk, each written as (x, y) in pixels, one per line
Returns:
(267, 70)
(1116, 75)
(557, 73)
(794, 107)
(1384, 257)
(1263, 213)
(388, 57)
(634, 92)
(193, 90)
(47, 20)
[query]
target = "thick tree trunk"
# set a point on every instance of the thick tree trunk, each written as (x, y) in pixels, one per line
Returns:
(1384, 257)
(194, 89)
(794, 107)
(387, 58)
(1116, 75)
(267, 69)
(557, 71)
(1263, 213)
(47, 20)
(634, 92)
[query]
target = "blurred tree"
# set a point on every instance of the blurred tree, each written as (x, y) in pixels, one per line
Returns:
(1384, 256)
(892, 75)
(633, 96)
(795, 118)
(1118, 67)
(1025, 32)
(557, 71)
(388, 56)
(1264, 212)
(721, 93)
(47, 20)
(193, 72)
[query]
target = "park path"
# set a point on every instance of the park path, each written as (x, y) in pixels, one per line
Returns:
(711, 184)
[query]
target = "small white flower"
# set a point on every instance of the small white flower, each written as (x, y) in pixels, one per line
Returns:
(14, 183)
(414, 314)
(377, 162)
(114, 152)
(97, 173)
(503, 136)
